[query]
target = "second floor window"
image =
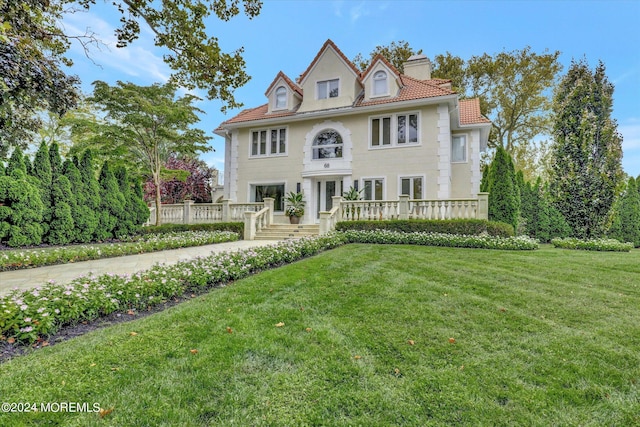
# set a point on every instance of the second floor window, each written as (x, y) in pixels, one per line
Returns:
(396, 130)
(380, 83)
(328, 89)
(459, 149)
(327, 145)
(281, 97)
(270, 142)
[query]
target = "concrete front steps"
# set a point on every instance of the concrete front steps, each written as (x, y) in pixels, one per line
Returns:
(287, 231)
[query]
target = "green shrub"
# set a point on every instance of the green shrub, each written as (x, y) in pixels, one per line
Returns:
(469, 227)
(626, 222)
(22, 208)
(236, 227)
(112, 207)
(609, 245)
(61, 230)
(440, 239)
(504, 194)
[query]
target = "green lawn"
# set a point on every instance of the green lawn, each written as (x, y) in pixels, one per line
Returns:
(547, 337)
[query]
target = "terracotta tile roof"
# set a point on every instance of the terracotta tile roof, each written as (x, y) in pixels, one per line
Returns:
(411, 89)
(256, 114)
(470, 112)
(320, 52)
(294, 87)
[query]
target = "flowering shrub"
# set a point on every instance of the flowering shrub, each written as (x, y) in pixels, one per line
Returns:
(469, 227)
(13, 260)
(440, 239)
(27, 315)
(592, 245)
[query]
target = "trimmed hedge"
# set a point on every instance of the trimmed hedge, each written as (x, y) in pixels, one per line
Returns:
(388, 237)
(605, 245)
(236, 227)
(467, 227)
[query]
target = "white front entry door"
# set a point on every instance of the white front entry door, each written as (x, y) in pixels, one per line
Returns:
(324, 190)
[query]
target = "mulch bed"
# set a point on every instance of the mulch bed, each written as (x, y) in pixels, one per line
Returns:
(11, 351)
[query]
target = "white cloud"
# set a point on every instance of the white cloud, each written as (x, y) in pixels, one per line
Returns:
(358, 11)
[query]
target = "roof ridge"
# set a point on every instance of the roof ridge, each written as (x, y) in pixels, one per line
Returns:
(327, 44)
(376, 58)
(287, 80)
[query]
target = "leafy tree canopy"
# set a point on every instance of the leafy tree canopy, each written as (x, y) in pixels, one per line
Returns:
(33, 44)
(396, 53)
(147, 124)
(31, 56)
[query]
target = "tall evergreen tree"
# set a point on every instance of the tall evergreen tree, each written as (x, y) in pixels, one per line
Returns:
(126, 224)
(91, 193)
(61, 231)
(504, 195)
(21, 207)
(626, 222)
(112, 204)
(586, 167)
(80, 212)
(42, 171)
(141, 210)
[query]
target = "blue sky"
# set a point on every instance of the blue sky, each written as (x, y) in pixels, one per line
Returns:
(287, 34)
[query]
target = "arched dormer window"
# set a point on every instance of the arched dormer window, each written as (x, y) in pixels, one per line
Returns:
(327, 145)
(281, 97)
(380, 86)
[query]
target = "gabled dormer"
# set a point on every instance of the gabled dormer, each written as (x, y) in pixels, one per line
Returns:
(283, 94)
(381, 80)
(330, 81)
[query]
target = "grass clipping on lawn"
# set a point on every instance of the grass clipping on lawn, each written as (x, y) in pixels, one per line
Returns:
(366, 335)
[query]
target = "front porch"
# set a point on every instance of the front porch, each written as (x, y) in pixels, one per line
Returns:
(259, 222)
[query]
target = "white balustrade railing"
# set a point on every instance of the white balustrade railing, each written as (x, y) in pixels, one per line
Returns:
(370, 210)
(237, 210)
(443, 209)
(194, 213)
(171, 214)
(206, 213)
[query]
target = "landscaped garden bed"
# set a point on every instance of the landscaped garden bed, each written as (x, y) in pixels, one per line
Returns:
(608, 245)
(137, 244)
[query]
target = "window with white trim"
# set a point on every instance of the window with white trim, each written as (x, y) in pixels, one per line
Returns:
(380, 86)
(412, 186)
(381, 131)
(281, 98)
(407, 128)
(459, 149)
(276, 191)
(396, 130)
(328, 89)
(327, 145)
(373, 189)
(269, 142)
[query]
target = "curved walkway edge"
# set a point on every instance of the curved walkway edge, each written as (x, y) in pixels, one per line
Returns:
(65, 273)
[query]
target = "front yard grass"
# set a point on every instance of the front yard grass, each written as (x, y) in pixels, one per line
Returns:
(372, 335)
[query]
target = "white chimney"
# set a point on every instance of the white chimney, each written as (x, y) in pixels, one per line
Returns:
(418, 67)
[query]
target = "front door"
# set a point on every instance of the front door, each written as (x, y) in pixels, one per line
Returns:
(325, 190)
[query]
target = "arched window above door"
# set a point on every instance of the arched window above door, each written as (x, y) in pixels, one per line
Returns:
(327, 145)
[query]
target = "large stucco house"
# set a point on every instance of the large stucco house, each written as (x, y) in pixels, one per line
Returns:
(335, 127)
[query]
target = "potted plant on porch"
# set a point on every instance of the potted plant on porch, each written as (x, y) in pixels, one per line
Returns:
(295, 206)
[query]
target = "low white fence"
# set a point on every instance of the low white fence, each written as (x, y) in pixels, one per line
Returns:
(405, 208)
(191, 213)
